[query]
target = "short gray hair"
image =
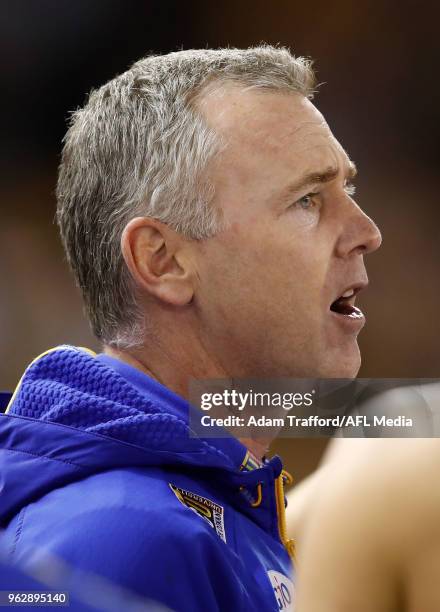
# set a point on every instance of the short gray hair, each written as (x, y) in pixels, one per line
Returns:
(140, 147)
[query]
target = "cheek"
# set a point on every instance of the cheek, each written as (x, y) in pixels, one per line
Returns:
(235, 286)
(298, 272)
(263, 274)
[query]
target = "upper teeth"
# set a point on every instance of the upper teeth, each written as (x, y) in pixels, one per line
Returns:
(348, 293)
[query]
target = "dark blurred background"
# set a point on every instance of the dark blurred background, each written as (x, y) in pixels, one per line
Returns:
(378, 62)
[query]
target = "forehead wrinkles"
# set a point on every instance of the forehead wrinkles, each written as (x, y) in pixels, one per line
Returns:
(299, 138)
(267, 136)
(282, 142)
(275, 128)
(249, 116)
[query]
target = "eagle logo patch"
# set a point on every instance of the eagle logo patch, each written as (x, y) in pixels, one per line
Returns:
(208, 510)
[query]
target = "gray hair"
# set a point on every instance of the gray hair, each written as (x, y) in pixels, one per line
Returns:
(140, 147)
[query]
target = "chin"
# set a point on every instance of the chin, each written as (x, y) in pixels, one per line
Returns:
(343, 363)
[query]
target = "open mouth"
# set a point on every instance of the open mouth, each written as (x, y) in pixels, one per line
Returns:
(344, 305)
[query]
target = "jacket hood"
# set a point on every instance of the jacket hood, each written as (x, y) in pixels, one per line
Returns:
(74, 414)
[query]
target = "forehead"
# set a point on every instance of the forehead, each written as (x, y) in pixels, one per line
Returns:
(265, 128)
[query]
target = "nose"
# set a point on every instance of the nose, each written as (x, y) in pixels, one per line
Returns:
(361, 235)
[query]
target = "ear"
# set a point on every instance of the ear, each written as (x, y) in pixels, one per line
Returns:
(155, 256)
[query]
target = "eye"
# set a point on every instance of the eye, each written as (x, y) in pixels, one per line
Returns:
(306, 202)
(350, 189)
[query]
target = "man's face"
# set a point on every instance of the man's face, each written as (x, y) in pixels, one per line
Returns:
(294, 242)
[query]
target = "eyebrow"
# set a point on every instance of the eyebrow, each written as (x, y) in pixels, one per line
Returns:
(311, 178)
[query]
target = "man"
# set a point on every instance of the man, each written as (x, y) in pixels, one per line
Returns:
(206, 211)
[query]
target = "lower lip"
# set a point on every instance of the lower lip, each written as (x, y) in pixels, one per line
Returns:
(350, 323)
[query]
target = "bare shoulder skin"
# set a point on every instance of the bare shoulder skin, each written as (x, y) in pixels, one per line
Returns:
(371, 540)
(301, 498)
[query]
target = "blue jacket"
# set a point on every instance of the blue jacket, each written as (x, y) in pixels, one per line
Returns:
(98, 468)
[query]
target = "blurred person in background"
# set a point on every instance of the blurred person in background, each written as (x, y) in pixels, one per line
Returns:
(205, 208)
(366, 522)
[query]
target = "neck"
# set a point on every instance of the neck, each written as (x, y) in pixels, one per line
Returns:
(173, 369)
(171, 364)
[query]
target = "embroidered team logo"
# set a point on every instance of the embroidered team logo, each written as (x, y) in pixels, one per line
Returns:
(283, 590)
(211, 512)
